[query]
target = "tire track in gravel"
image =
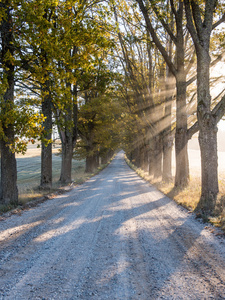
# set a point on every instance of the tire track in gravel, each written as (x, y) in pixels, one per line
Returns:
(114, 237)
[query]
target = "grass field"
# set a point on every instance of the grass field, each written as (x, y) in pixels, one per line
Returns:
(29, 172)
(29, 176)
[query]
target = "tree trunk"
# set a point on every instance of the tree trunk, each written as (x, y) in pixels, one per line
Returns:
(182, 166)
(158, 156)
(104, 159)
(68, 136)
(46, 166)
(46, 147)
(97, 159)
(167, 158)
(151, 157)
(136, 157)
(9, 191)
(167, 134)
(146, 161)
(200, 31)
(209, 166)
(90, 163)
(105, 156)
(66, 164)
(207, 137)
(130, 156)
(111, 153)
(182, 163)
(142, 157)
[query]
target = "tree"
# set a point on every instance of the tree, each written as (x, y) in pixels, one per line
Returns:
(48, 55)
(96, 116)
(9, 191)
(37, 51)
(137, 90)
(19, 122)
(178, 71)
(200, 25)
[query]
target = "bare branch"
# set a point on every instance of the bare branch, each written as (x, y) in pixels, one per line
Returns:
(196, 13)
(173, 7)
(156, 39)
(190, 23)
(213, 63)
(32, 89)
(219, 22)
(164, 24)
(217, 112)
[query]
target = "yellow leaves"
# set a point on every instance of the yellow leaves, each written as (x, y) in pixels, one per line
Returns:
(8, 57)
(23, 121)
(82, 120)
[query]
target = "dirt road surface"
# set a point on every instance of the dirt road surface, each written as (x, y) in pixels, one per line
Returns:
(114, 237)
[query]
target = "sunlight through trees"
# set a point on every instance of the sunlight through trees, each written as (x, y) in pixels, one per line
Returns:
(129, 74)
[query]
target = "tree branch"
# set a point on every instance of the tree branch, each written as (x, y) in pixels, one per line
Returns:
(217, 112)
(219, 22)
(173, 7)
(208, 20)
(190, 23)
(164, 24)
(213, 63)
(196, 13)
(155, 38)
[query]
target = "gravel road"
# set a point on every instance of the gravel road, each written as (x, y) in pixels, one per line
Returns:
(114, 237)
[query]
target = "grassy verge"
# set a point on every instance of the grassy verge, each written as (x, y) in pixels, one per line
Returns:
(189, 196)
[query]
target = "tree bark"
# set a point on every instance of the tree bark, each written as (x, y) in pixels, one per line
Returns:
(111, 153)
(209, 166)
(200, 31)
(151, 156)
(146, 158)
(9, 191)
(68, 137)
(66, 164)
(182, 164)
(158, 156)
(207, 137)
(90, 163)
(97, 159)
(167, 142)
(104, 159)
(46, 147)
(142, 157)
(181, 141)
(167, 158)
(182, 167)
(167, 133)
(136, 156)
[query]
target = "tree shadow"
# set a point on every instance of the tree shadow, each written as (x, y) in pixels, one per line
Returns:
(114, 243)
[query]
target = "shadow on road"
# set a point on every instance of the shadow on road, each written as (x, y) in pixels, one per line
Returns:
(120, 236)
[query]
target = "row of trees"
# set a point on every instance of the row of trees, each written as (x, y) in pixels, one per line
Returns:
(55, 70)
(111, 73)
(166, 49)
